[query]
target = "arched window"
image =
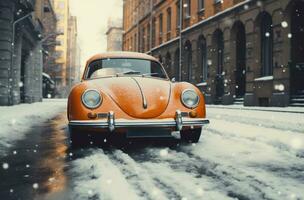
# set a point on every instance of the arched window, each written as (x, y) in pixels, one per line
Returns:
(266, 44)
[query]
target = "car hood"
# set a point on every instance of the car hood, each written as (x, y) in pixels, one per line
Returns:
(139, 97)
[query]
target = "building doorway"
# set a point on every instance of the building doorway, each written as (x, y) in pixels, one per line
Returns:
(218, 44)
(297, 48)
(24, 58)
(240, 59)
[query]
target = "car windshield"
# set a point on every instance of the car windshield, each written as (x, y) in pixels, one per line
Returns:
(125, 67)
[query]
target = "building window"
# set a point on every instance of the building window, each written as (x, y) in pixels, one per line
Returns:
(187, 6)
(266, 45)
(160, 28)
(143, 38)
(153, 32)
(201, 4)
(178, 16)
(169, 15)
(148, 37)
(135, 42)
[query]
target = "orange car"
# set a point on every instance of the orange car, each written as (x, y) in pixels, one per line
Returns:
(129, 94)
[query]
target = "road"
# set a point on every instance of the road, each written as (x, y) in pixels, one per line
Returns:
(241, 155)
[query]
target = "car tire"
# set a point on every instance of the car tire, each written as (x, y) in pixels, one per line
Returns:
(77, 138)
(191, 136)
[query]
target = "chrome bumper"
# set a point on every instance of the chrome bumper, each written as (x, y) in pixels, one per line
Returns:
(111, 123)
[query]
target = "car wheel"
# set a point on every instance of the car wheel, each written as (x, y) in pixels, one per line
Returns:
(77, 138)
(191, 136)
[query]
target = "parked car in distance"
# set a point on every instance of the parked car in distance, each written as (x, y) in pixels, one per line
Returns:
(130, 95)
(48, 86)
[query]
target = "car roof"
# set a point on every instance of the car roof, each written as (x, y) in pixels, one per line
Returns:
(121, 54)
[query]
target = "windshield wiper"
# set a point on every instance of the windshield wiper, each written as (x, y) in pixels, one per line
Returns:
(128, 73)
(149, 74)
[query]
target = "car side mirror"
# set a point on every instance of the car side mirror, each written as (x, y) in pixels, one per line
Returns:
(173, 79)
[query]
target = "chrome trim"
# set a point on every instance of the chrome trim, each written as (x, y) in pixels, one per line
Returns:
(185, 103)
(145, 104)
(121, 123)
(111, 121)
(97, 105)
(179, 120)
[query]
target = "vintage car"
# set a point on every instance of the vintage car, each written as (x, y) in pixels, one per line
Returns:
(130, 95)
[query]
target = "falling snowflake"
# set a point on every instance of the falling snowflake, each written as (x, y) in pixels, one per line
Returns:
(246, 7)
(35, 186)
(267, 34)
(11, 190)
(14, 152)
(289, 35)
(284, 24)
(5, 165)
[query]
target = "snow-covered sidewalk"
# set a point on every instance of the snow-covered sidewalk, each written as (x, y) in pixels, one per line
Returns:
(272, 109)
(15, 121)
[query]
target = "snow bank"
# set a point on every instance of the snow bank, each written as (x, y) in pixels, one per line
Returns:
(15, 121)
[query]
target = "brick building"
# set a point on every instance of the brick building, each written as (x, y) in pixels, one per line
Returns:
(246, 51)
(20, 51)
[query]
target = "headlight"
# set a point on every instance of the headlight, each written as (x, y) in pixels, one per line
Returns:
(190, 98)
(91, 99)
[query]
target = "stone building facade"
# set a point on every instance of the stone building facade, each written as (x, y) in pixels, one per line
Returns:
(247, 51)
(49, 43)
(20, 51)
(72, 57)
(114, 35)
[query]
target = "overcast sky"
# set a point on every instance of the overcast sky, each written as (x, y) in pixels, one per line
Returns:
(92, 16)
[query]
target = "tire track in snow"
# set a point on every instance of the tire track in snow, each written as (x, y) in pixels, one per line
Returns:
(138, 177)
(223, 180)
(176, 184)
(240, 170)
(96, 177)
(292, 143)
(281, 121)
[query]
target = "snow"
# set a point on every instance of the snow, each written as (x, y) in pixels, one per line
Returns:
(264, 78)
(15, 121)
(241, 109)
(242, 154)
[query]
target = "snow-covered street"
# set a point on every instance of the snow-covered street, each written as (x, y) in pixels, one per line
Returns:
(242, 154)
